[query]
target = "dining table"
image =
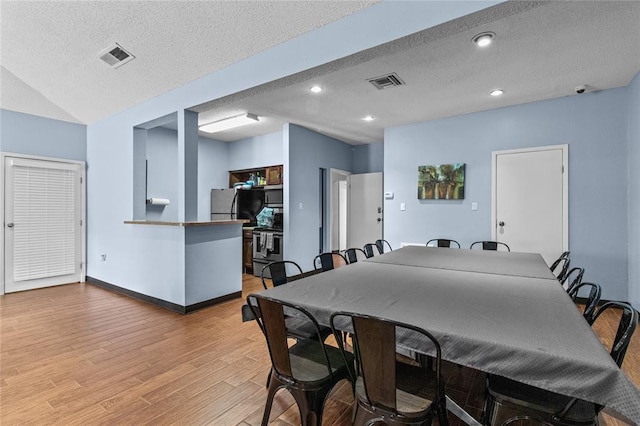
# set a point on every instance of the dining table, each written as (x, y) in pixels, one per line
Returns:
(502, 313)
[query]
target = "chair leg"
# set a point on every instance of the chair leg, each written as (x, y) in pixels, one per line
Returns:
(310, 403)
(274, 385)
(443, 417)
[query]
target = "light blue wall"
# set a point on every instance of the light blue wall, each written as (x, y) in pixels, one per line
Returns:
(307, 152)
(110, 141)
(259, 151)
(32, 135)
(595, 127)
(213, 172)
(368, 158)
(162, 173)
(634, 191)
(208, 274)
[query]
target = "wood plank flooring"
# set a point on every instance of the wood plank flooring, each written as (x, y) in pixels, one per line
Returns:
(81, 355)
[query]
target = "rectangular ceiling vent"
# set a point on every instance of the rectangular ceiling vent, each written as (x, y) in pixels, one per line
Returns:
(115, 55)
(385, 81)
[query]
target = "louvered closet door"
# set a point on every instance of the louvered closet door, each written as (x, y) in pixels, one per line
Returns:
(43, 230)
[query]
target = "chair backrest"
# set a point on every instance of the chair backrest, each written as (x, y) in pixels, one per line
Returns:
(595, 291)
(490, 245)
(564, 255)
(626, 327)
(352, 254)
(561, 265)
(577, 274)
(370, 250)
(270, 316)
(381, 245)
(278, 272)
(443, 242)
(375, 342)
(328, 261)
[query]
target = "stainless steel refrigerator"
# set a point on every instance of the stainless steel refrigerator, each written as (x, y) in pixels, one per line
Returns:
(228, 204)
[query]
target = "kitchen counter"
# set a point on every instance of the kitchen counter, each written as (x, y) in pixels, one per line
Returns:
(187, 224)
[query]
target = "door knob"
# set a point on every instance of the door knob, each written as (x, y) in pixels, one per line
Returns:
(379, 220)
(9, 225)
(501, 223)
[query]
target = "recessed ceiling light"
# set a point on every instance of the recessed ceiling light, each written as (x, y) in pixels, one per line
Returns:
(483, 39)
(368, 118)
(316, 89)
(229, 123)
(496, 92)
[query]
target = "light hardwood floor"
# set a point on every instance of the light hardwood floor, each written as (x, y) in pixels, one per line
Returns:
(81, 355)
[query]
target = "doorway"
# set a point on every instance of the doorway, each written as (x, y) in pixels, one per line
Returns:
(530, 200)
(365, 209)
(338, 209)
(43, 216)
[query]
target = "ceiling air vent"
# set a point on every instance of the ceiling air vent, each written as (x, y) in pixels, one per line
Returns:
(385, 81)
(115, 55)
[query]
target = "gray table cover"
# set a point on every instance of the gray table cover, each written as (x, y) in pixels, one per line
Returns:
(484, 261)
(523, 328)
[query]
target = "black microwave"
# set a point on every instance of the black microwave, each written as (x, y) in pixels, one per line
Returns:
(273, 197)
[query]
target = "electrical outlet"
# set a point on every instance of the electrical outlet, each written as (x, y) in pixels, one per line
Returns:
(103, 257)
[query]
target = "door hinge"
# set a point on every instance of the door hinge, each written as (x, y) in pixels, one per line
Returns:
(81, 179)
(562, 169)
(80, 222)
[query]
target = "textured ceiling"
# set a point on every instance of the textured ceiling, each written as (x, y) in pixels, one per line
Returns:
(49, 49)
(542, 50)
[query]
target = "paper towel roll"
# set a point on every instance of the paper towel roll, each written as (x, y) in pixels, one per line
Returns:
(158, 201)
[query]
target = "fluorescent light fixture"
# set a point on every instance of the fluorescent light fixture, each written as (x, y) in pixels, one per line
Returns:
(483, 39)
(316, 89)
(496, 92)
(229, 123)
(368, 118)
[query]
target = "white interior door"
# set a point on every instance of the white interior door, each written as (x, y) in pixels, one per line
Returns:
(43, 230)
(530, 200)
(365, 209)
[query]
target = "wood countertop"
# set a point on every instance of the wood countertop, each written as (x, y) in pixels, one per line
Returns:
(187, 224)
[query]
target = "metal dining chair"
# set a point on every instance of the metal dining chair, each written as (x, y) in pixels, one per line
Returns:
(381, 245)
(443, 242)
(490, 245)
(308, 369)
(353, 253)
(328, 261)
(388, 391)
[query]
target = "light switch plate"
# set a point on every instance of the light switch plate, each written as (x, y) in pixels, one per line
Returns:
(474, 206)
(403, 206)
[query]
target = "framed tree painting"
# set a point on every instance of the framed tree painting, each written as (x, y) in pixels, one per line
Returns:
(441, 182)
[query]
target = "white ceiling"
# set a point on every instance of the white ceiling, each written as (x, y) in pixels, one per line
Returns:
(49, 49)
(542, 50)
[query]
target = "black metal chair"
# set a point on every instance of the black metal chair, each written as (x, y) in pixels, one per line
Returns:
(388, 391)
(370, 250)
(296, 328)
(328, 261)
(382, 244)
(352, 254)
(577, 274)
(593, 298)
(308, 369)
(508, 400)
(443, 242)
(564, 262)
(490, 245)
(277, 271)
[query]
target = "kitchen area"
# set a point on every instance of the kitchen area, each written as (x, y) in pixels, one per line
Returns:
(255, 195)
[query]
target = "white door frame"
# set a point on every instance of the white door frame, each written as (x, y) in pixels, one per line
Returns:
(83, 245)
(336, 172)
(565, 187)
